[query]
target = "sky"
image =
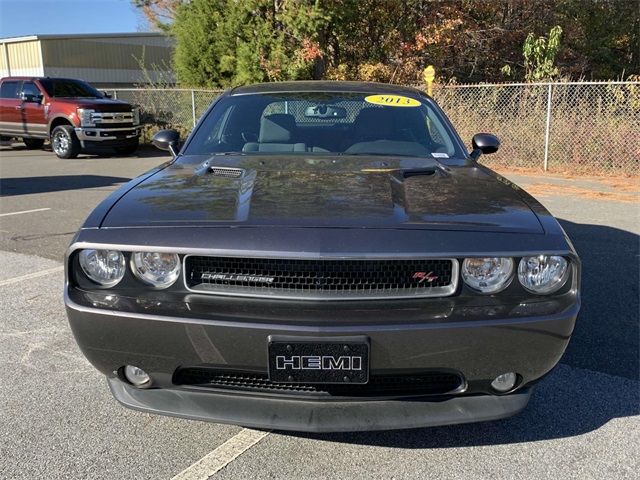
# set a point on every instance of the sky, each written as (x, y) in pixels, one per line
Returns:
(29, 17)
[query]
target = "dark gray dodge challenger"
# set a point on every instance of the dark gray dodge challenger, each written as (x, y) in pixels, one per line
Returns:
(323, 256)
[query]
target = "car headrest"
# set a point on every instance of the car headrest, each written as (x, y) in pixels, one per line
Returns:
(277, 128)
(373, 122)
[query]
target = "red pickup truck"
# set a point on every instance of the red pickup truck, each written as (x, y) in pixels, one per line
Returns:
(70, 113)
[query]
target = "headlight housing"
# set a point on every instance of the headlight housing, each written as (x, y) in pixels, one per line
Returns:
(543, 274)
(136, 115)
(104, 267)
(86, 117)
(487, 274)
(160, 270)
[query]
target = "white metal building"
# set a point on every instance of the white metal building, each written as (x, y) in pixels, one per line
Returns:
(104, 60)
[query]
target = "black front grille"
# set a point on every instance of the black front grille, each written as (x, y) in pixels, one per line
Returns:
(117, 133)
(429, 383)
(321, 278)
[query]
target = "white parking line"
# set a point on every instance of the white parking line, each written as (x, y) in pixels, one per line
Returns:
(29, 276)
(222, 456)
(24, 211)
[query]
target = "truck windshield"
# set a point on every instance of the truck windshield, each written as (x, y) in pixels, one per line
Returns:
(67, 88)
(317, 123)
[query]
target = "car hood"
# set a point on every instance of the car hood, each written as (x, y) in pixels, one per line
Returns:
(339, 192)
(101, 104)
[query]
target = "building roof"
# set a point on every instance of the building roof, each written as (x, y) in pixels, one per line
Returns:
(28, 38)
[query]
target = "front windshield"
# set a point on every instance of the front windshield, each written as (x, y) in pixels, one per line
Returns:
(67, 88)
(325, 123)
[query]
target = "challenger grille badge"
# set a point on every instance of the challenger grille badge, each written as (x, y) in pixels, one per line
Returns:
(424, 276)
(232, 277)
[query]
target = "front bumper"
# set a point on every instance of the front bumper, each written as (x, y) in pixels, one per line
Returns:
(225, 333)
(318, 416)
(91, 134)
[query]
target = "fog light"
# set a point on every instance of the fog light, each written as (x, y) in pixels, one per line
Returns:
(505, 382)
(136, 376)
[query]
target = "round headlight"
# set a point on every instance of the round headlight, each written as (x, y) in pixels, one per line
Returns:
(159, 270)
(104, 267)
(543, 273)
(487, 275)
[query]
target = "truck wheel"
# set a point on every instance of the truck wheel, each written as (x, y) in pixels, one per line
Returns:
(33, 143)
(127, 150)
(64, 142)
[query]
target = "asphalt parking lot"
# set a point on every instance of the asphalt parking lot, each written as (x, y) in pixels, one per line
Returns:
(58, 419)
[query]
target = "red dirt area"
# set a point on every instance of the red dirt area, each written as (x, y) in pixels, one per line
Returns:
(547, 189)
(618, 189)
(586, 175)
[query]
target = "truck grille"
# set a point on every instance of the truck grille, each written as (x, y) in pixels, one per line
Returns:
(321, 279)
(112, 119)
(427, 383)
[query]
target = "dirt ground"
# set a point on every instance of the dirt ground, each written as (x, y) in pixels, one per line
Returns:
(543, 184)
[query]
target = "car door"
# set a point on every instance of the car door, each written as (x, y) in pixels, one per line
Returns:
(33, 112)
(10, 108)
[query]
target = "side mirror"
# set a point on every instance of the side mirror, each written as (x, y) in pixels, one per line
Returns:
(27, 97)
(106, 95)
(484, 143)
(167, 140)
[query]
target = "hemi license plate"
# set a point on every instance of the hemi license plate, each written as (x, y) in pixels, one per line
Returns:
(334, 360)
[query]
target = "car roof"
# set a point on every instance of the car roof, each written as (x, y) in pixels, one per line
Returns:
(16, 77)
(326, 86)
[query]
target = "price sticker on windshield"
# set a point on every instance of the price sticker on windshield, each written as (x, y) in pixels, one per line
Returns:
(392, 101)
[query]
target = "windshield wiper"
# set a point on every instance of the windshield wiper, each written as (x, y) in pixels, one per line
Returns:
(373, 154)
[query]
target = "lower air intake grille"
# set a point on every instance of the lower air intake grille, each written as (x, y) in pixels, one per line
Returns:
(334, 279)
(430, 383)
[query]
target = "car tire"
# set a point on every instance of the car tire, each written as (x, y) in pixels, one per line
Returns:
(64, 142)
(33, 143)
(127, 150)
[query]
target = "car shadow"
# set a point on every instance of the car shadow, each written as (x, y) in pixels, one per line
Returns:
(143, 151)
(597, 379)
(607, 335)
(28, 185)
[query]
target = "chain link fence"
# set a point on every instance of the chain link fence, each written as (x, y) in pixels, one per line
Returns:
(563, 127)
(179, 109)
(586, 127)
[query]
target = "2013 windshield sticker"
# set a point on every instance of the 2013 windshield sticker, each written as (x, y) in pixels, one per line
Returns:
(392, 101)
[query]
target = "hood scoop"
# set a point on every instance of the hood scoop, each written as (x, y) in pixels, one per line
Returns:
(226, 172)
(418, 172)
(218, 171)
(403, 174)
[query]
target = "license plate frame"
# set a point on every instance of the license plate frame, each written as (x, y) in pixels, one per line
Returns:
(339, 360)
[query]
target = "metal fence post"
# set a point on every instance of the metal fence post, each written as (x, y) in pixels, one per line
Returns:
(548, 128)
(115, 94)
(193, 107)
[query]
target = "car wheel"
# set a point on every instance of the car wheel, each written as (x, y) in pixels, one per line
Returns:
(127, 150)
(33, 143)
(64, 142)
